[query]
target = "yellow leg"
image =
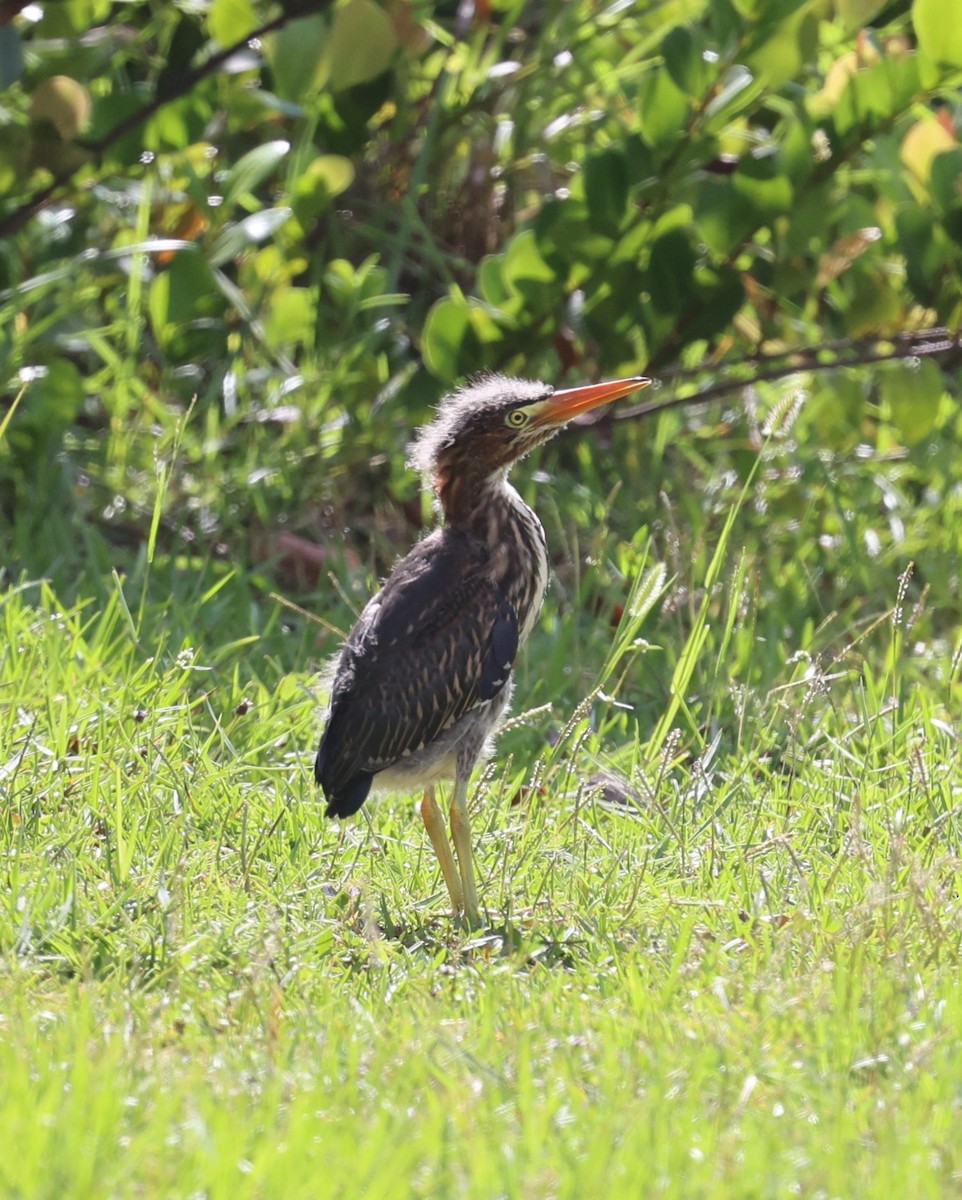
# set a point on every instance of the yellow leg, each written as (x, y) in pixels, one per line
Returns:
(434, 823)
(461, 833)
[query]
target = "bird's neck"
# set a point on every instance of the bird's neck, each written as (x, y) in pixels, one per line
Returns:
(493, 512)
(477, 504)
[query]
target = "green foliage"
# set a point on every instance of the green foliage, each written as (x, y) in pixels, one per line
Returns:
(721, 956)
(243, 246)
(539, 190)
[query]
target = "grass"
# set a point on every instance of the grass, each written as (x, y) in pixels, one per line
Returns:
(733, 973)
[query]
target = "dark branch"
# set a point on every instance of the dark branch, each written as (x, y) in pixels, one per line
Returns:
(825, 356)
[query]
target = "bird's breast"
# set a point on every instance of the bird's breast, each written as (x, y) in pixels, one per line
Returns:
(519, 559)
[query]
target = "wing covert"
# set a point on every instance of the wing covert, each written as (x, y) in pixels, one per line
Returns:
(422, 654)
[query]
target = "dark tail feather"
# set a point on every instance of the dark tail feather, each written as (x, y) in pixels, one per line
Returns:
(344, 801)
(349, 799)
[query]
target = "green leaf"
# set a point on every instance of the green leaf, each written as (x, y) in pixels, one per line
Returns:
(14, 152)
(63, 102)
(739, 89)
(491, 281)
(783, 55)
(108, 113)
(324, 178)
(685, 62)
(606, 189)
(856, 14)
(231, 20)
(874, 303)
(185, 292)
(939, 29)
(71, 18)
(671, 271)
(920, 250)
(875, 95)
(913, 394)
(297, 57)
(727, 27)
(945, 181)
(722, 217)
(663, 110)
(52, 402)
(525, 272)
(793, 158)
(448, 337)
(613, 309)
(757, 179)
(639, 161)
(565, 235)
(252, 168)
(187, 39)
(290, 317)
(362, 44)
(179, 123)
(720, 294)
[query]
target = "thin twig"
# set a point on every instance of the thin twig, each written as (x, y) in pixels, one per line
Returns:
(824, 356)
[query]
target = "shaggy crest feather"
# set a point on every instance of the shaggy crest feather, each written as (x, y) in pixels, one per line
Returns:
(454, 410)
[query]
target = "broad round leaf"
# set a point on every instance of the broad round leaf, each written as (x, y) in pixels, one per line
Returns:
(448, 337)
(321, 180)
(670, 271)
(297, 57)
(685, 62)
(606, 189)
(525, 272)
(290, 317)
(362, 44)
(662, 109)
(185, 292)
(939, 29)
(64, 103)
(231, 20)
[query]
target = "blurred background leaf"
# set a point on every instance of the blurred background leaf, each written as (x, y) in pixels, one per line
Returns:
(301, 223)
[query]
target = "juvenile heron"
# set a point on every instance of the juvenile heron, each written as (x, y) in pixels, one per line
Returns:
(424, 678)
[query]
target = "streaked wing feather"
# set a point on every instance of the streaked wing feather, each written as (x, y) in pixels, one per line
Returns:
(438, 639)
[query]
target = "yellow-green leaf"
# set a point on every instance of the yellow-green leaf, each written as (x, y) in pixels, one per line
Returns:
(321, 180)
(231, 20)
(922, 143)
(64, 103)
(939, 30)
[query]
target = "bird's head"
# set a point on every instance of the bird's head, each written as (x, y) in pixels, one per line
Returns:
(481, 429)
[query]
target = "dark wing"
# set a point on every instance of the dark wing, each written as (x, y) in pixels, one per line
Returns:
(437, 640)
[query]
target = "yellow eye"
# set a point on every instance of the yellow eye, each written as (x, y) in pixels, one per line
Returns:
(516, 418)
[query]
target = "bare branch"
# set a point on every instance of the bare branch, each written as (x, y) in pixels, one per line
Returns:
(780, 364)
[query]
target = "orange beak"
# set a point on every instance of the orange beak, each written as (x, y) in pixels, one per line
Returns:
(562, 406)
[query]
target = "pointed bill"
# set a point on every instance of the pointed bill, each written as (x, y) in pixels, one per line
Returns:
(563, 405)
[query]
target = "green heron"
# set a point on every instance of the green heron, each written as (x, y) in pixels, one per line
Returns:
(424, 679)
